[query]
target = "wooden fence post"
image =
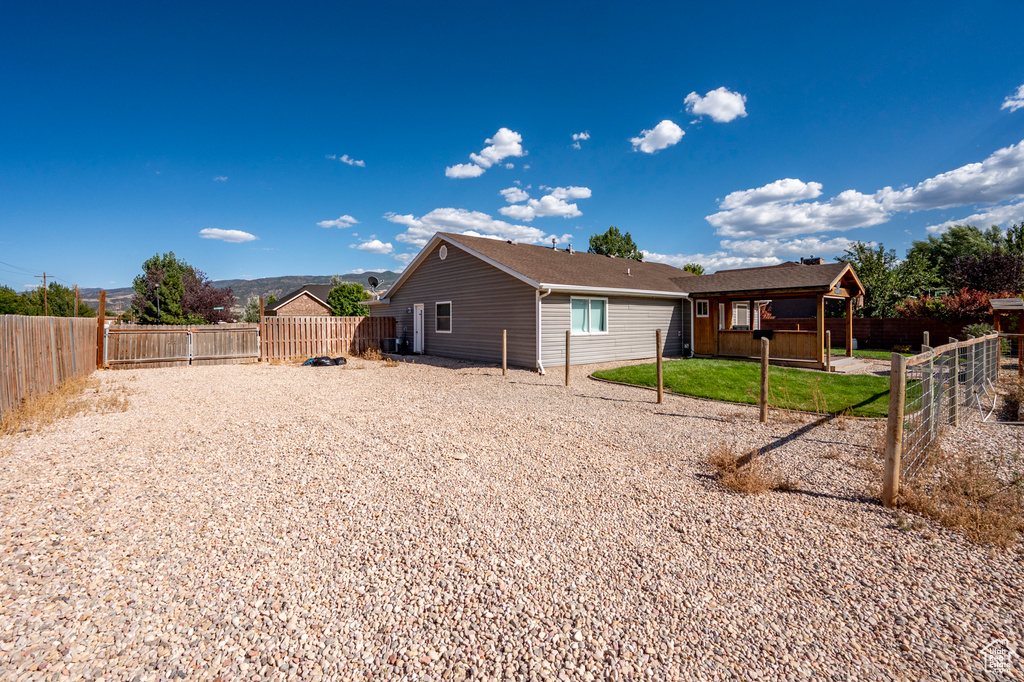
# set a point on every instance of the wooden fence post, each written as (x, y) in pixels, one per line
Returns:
(661, 375)
(567, 333)
(954, 385)
(894, 430)
(926, 342)
(828, 350)
(764, 380)
(504, 352)
(101, 319)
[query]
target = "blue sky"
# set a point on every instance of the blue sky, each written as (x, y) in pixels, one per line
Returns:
(300, 138)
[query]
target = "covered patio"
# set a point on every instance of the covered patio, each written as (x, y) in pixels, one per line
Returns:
(727, 310)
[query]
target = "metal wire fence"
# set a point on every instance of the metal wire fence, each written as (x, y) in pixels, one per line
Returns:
(932, 390)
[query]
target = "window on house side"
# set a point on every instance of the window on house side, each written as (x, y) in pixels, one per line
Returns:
(589, 316)
(443, 317)
(702, 309)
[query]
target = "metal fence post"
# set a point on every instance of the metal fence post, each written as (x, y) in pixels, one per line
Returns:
(894, 430)
(954, 385)
(927, 395)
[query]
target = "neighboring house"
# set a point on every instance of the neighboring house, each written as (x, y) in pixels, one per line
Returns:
(309, 300)
(459, 293)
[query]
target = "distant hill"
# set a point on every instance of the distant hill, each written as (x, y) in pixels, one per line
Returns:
(120, 299)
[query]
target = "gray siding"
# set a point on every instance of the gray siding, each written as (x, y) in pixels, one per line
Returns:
(484, 299)
(632, 322)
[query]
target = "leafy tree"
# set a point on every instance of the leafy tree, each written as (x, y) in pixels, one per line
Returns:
(997, 270)
(959, 240)
(614, 243)
(11, 302)
(203, 300)
(695, 268)
(346, 300)
(887, 281)
(170, 291)
(59, 301)
(252, 309)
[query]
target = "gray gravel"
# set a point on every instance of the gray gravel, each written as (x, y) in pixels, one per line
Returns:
(438, 521)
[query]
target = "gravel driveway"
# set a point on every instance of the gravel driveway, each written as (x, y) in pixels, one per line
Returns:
(438, 521)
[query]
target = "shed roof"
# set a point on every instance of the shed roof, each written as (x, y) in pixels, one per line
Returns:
(318, 291)
(775, 278)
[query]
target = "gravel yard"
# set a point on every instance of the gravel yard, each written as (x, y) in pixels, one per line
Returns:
(438, 521)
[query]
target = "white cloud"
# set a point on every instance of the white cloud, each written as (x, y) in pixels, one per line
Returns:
(464, 170)
(345, 158)
(510, 166)
(997, 178)
(787, 189)
(755, 253)
(342, 222)
(847, 210)
(662, 136)
(998, 215)
(1015, 101)
(514, 195)
(722, 105)
(460, 221)
(233, 236)
(374, 246)
(553, 204)
(578, 137)
(221, 178)
(404, 258)
(504, 144)
(719, 260)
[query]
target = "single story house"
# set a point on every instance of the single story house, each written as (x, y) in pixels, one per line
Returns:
(460, 292)
(310, 299)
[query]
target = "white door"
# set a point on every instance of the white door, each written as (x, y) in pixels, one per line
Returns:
(417, 328)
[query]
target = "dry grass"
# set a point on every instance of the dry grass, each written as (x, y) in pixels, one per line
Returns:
(1012, 399)
(388, 362)
(964, 493)
(74, 397)
(749, 478)
(372, 353)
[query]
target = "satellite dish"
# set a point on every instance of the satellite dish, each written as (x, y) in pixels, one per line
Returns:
(373, 281)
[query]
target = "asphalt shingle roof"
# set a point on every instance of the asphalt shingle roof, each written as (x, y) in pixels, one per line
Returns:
(557, 266)
(320, 291)
(774, 278)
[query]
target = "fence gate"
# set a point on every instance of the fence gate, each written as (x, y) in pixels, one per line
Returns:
(131, 346)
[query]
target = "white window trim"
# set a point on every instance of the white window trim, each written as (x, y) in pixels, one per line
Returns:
(588, 299)
(707, 307)
(736, 307)
(451, 316)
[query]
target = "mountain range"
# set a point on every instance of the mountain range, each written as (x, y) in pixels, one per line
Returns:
(120, 299)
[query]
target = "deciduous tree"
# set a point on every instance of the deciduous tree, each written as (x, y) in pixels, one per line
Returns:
(614, 243)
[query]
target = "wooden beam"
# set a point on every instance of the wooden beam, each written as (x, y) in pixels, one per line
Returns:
(849, 327)
(821, 329)
(101, 318)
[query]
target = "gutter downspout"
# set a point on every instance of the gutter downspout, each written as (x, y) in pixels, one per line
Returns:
(538, 296)
(686, 297)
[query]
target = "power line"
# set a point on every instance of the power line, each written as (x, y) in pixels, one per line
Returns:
(27, 271)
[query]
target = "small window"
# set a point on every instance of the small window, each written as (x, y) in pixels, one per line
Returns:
(589, 316)
(702, 308)
(443, 252)
(741, 316)
(443, 317)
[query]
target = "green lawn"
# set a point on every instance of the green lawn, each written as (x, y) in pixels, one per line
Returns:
(863, 395)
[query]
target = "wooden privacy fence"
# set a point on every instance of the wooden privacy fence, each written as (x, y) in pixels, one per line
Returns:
(929, 391)
(37, 354)
(133, 346)
(286, 338)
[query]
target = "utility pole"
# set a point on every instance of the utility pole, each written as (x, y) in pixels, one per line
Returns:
(46, 306)
(76, 300)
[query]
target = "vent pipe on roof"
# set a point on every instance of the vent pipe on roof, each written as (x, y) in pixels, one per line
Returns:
(553, 242)
(569, 250)
(630, 274)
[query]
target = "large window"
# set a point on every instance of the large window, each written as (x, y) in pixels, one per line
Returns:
(589, 315)
(443, 317)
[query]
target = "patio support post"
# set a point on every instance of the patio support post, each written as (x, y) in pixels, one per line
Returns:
(820, 337)
(849, 327)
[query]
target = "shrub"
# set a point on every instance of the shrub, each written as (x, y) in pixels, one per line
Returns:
(741, 473)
